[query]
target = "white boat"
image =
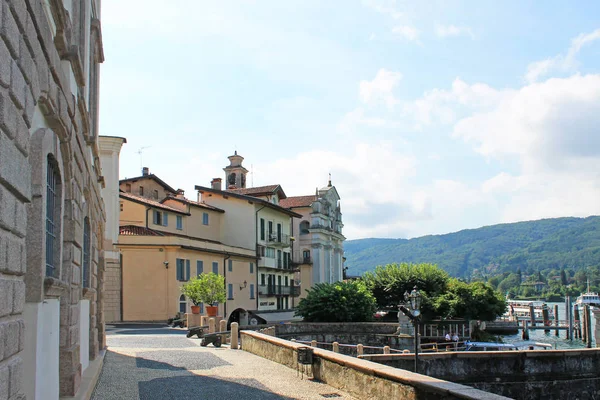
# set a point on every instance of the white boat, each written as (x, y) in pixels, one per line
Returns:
(589, 298)
(521, 310)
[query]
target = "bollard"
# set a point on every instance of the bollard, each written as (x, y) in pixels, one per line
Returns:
(203, 320)
(525, 331)
(405, 351)
(386, 350)
(532, 314)
(577, 322)
(234, 335)
(546, 317)
(313, 343)
(223, 328)
(556, 320)
(336, 347)
(588, 326)
(211, 325)
(359, 349)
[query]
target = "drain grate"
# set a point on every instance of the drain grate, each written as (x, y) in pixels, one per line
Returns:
(330, 395)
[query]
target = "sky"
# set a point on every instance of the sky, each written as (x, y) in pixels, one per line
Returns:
(431, 116)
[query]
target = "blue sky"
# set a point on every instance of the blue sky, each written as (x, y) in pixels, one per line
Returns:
(431, 116)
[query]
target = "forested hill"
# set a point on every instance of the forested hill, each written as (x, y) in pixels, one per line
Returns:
(531, 246)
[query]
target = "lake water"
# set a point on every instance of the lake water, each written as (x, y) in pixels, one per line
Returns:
(550, 338)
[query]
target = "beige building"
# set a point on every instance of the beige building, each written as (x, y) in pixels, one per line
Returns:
(254, 219)
(164, 244)
(52, 217)
(319, 244)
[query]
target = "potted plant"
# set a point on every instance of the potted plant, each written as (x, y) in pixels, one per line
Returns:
(205, 288)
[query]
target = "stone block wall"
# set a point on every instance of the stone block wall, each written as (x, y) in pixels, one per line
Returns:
(48, 108)
(361, 378)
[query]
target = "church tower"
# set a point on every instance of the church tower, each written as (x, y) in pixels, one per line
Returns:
(235, 173)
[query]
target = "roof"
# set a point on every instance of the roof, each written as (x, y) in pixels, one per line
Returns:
(257, 200)
(260, 191)
(151, 203)
(154, 178)
(193, 203)
(134, 230)
(297, 201)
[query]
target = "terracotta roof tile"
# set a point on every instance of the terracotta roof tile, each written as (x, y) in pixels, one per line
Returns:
(152, 203)
(297, 201)
(255, 191)
(134, 230)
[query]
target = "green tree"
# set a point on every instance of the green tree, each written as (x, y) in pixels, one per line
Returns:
(475, 300)
(389, 283)
(205, 288)
(563, 277)
(512, 281)
(338, 302)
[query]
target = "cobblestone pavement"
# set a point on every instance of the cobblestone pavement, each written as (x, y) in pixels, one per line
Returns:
(149, 362)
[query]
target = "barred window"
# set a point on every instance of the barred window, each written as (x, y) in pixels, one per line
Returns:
(85, 282)
(52, 216)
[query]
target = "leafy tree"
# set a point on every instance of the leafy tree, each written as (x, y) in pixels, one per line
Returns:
(389, 283)
(508, 283)
(475, 300)
(338, 302)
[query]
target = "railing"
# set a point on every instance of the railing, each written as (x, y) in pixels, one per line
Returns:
(279, 239)
(276, 290)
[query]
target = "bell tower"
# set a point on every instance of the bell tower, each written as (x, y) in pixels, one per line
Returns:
(235, 173)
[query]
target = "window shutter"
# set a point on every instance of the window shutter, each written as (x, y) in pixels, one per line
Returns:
(230, 287)
(230, 265)
(199, 267)
(165, 219)
(155, 217)
(216, 267)
(251, 268)
(179, 270)
(251, 290)
(187, 270)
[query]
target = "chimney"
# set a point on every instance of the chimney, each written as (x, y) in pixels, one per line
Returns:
(216, 183)
(145, 171)
(180, 194)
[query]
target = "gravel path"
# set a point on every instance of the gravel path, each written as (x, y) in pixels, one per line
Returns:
(153, 362)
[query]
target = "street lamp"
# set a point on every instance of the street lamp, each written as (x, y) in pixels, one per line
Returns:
(414, 299)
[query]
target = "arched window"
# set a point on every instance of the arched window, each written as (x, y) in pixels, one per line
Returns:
(85, 278)
(304, 225)
(53, 198)
(182, 304)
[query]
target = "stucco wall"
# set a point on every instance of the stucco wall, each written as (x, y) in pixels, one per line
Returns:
(363, 379)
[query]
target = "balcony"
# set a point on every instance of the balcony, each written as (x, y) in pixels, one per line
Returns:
(275, 290)
(278, 239)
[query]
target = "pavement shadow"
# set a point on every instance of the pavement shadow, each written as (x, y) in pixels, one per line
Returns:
(178, 360)
(125, 377)
(204, 387)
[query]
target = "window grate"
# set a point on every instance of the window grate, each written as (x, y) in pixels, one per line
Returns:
(51, 182)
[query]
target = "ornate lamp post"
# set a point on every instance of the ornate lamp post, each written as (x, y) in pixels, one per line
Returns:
(414, 299)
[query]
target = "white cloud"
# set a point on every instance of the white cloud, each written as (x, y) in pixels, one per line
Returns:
(561, 63)
(381, 88)
(452, 30)
(407, 32)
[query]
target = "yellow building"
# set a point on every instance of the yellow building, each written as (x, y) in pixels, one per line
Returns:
(164, 244)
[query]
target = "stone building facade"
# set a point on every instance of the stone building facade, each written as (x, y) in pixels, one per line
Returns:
(51, 211)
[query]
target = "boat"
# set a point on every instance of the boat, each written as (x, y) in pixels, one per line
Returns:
(521, 310)
(492, 346)
(588, 298)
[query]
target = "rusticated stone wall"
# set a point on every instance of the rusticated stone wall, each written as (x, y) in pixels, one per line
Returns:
(49, 56)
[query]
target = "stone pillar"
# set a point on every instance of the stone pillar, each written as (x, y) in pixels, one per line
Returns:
(360, 349)
(211, 325)
(336, 347)
(234, 335)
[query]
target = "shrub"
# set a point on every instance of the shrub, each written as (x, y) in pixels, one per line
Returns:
(338, 302)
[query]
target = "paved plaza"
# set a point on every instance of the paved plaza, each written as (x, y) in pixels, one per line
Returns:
(150, 362)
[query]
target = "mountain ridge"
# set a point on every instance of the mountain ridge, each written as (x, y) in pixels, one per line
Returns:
(529, 245)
